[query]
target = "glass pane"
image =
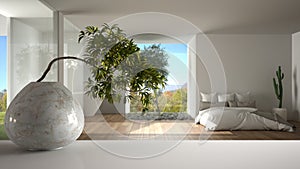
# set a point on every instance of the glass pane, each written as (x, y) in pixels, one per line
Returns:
(3, 74)
(173, 98)
(3, 84)
(76, 72)
(32, 48)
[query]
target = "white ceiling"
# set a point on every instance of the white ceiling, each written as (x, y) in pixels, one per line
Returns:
(211, 16)
(24, 8)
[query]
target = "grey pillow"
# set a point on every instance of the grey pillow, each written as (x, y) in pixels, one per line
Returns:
(232, 104)
(242, 104)
(212, 97)
(206, 105)
(247, 104)
(226, 97)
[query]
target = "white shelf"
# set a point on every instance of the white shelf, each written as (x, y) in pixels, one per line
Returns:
(186, 154)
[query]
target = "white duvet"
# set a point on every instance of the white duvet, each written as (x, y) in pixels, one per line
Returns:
(239, 118)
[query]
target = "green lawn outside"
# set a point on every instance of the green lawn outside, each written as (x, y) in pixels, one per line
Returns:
(2, 132)
(2, 114)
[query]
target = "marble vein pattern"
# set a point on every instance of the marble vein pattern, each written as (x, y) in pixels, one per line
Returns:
(44, 116)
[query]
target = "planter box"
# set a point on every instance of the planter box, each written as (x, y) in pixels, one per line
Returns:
(282, 112)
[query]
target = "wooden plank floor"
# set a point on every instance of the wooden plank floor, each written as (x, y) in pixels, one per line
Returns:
(116, 127)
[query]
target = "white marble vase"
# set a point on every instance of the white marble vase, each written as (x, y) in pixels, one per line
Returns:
(44, 116)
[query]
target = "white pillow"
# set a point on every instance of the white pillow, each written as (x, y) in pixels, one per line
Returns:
(212, 97)
(243, 97)
(225, 97)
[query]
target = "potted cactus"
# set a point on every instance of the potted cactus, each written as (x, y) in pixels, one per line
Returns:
(278, 88)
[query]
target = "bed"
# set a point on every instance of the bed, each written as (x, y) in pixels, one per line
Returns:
(237, 111)
(241, 118)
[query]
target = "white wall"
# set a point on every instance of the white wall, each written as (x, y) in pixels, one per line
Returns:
(250, 62)
(296, 75)
(29, 55)
(3, 27)
(192, 97)
(21, 57)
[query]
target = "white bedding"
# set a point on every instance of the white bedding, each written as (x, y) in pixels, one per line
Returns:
(239, 118)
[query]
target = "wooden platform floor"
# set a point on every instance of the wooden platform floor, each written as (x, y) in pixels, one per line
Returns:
(116, 127)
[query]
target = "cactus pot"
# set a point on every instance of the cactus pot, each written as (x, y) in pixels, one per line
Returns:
(44, 116)
(282, 112)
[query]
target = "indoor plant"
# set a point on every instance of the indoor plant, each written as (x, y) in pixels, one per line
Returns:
(117, 67)
(117, 71)
(278, 88)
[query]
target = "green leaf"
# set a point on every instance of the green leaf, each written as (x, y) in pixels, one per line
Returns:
(275, 87)
(81, 35)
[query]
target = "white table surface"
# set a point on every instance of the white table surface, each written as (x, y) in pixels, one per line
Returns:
(185, 155)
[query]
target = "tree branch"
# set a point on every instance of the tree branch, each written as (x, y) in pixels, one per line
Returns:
(57, 59)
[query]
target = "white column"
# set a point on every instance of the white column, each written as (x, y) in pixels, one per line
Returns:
(296, 75)
(58, 23)
(192, 94)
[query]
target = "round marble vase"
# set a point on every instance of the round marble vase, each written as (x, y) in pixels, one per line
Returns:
(44, 116)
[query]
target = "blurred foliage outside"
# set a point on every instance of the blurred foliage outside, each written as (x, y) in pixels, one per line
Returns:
(168, 101)
(3, 104)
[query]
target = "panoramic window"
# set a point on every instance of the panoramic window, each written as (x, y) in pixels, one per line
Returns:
(171, 57)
